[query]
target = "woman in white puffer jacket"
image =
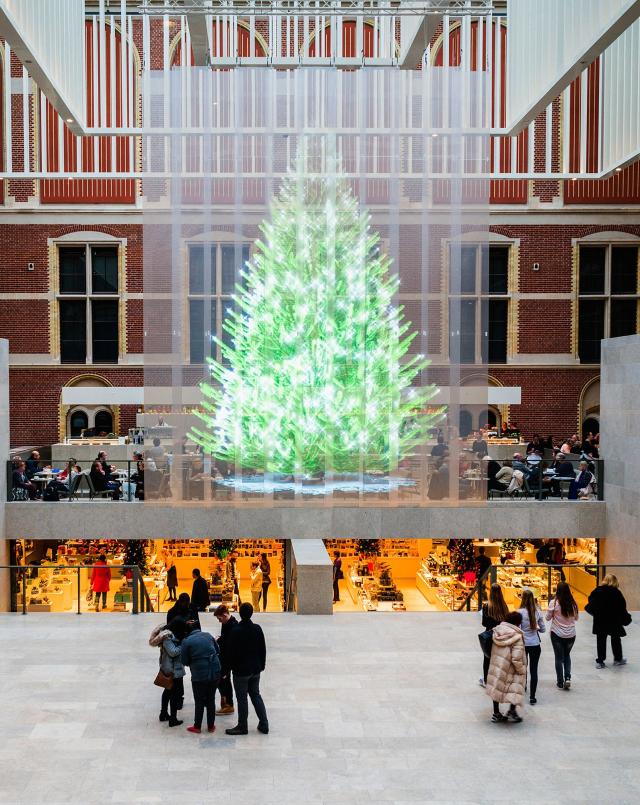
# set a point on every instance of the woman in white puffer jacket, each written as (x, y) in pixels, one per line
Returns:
(507, 669)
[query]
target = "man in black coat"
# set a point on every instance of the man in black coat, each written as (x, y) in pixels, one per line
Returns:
(608, 607)
(200, 592)
(246, 655)
(183, 608)
(227, 624)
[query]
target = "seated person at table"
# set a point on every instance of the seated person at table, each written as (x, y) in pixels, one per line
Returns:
(582, 487)
(158, 455)
(502, 478)
(438, 449)
(137, 476)
(108, 469)
(196, 482)
(100, 481)
(19, 480)
(518, 464)
(63, 480)
(562, 468)
(535, 445)
(32, 464)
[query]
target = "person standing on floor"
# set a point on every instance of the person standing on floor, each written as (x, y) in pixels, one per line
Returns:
(200, 591)
(234, 575)
(169, 638)
(246, 654)
(201, 653)
(337, 575)
(256, 585)
(508, 668)
(227, 623)
(563, 614)
(532, 626)
(609, 610)
(265, 567)
(183, 608)
(172, 581)
(494, 612)
(101, 581)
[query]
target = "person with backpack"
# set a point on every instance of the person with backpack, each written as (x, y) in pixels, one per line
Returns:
(532, 626)
(563, 614)
(200, 652)
(508, 669)
(609, 610)
(494, 612)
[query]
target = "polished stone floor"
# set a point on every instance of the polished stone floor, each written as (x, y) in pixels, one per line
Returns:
(364, 709)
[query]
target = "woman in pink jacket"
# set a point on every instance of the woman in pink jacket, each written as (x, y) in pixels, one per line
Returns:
(100, 581)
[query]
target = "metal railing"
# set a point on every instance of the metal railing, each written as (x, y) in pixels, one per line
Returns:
(553, 573)
(470, 479)
(21, 575)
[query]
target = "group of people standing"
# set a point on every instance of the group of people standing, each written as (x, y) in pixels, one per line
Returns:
(233, 661)
(511, 640)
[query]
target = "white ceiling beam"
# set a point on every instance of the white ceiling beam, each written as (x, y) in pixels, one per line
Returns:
(415, 35)
(200, 32)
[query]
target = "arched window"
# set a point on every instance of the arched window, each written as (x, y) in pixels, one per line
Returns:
(221, 45)
(349, 41)
(103, 422)
(78, 422)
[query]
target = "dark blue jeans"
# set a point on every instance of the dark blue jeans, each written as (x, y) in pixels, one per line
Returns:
(249, 686)
(562, 650)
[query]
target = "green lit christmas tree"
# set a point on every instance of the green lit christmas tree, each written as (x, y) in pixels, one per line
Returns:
(316, 375)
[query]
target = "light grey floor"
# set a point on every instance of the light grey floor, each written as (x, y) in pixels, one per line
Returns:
(364, 709)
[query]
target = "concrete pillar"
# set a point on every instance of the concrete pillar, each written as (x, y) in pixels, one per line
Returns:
(313, 577)
(5, 587)
(620, 448)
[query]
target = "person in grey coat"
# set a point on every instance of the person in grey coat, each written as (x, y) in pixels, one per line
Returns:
(168, 638)
(201, 653)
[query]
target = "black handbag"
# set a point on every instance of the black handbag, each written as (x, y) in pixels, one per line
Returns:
(626, 619)
(486, 642)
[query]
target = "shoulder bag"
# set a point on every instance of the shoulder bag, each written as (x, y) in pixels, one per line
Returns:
(163, 680)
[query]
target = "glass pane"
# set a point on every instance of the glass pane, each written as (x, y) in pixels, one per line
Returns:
(78, 422)
(498, 269)
(590, 330)
(73, 270)
(103, 422)
(73, 331)
(496, 334)
(227, 307)
(199, 270)
(104, 270)
(234, 258)
(624, 269)
(592, 263)
(105, 331)
(462, 269)
(462, 333)
(196, 331)
(623, 317)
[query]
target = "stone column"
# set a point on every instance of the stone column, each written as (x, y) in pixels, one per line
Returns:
(5, 587)
(620, 449)
(313, 577)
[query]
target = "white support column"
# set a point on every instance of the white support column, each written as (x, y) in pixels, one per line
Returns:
(312, 577)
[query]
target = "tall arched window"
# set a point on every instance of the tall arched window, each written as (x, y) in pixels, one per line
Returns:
(103, 422)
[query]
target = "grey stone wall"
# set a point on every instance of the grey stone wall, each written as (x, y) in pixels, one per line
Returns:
(620, 447)
(313, 577)
(498, 519)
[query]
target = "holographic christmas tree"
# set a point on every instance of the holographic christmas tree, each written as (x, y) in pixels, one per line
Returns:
(316, 373)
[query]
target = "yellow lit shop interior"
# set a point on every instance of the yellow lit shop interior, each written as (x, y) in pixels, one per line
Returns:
(52, 580)
(441, 575)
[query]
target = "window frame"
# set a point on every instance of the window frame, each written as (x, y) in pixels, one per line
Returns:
(208, 299)
(481, 298)
(89, 296)
(607, 297)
